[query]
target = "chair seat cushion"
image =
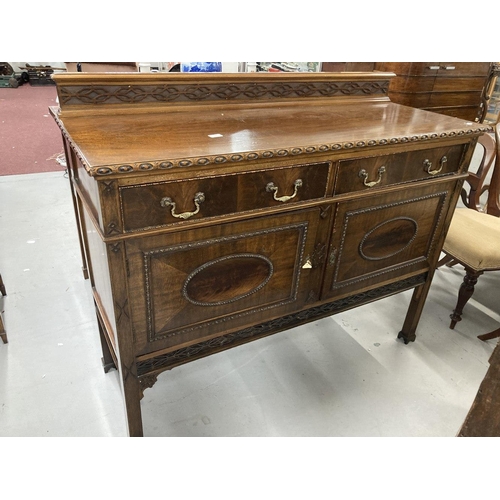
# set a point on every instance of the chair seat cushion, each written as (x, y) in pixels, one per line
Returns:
(474, 239)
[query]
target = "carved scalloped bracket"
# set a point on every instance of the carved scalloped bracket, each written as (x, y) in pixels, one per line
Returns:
(147, 381)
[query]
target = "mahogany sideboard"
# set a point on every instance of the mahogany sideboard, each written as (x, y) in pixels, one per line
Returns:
(216, 209)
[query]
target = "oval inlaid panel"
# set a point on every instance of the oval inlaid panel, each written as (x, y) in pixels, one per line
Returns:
(227, 279)
(388, 239)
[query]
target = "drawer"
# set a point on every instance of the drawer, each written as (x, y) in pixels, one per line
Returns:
(436, 68)
(448, 90)
(411, 84)
(463, 84)
(469, 113)
(413, 99)
(464, 69)
(410, 68)
(455, 99)
(161, 203)
(380, 171)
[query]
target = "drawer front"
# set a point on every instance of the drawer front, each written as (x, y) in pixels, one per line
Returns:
(410, 68)
(436, 68)
(411, 84)
(188, 286)
(160, 204)
(384, 238)
(415, 86)
(464, 69)
(463, 84)
(413, 99)
(455, 98)
(381, 171)
(469, 113)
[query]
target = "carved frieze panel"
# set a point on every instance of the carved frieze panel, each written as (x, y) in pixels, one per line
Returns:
(178, 92)
(164, 361)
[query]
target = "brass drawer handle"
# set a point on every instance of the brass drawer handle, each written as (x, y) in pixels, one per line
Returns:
(428, 166)
(168, 202)
(364, 175)
(271, 188)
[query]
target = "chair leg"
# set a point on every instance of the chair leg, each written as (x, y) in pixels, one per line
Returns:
(488, 336)
(464, 294)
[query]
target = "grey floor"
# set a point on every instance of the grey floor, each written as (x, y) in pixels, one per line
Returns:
(346, 375)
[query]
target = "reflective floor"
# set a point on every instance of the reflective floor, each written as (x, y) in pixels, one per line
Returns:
(346, 375)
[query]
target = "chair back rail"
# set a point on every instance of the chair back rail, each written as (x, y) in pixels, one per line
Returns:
(493, 204)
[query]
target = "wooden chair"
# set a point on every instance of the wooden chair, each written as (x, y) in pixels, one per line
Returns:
(478, 183)
(3, 333)
(473, 239)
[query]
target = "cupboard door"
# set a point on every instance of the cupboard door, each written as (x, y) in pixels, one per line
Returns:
(384, 238)
(192, 285)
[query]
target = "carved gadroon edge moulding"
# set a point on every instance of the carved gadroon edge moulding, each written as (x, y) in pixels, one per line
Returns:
(77, 91)
(201, 161)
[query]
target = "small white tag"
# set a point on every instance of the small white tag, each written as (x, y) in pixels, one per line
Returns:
(213, 136)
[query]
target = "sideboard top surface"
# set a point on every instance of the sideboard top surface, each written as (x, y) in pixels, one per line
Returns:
(116, 139)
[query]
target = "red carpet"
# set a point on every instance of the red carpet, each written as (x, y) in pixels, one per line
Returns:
(30, 141)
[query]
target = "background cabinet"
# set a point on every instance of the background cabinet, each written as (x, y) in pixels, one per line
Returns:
(494, 101)
(451, 88)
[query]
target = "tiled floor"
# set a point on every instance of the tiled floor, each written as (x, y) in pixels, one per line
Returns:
(346, 375)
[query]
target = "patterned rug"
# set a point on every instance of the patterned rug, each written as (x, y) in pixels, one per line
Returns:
(30, 141)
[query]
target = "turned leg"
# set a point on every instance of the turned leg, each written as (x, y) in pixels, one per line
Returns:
(464, 294)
